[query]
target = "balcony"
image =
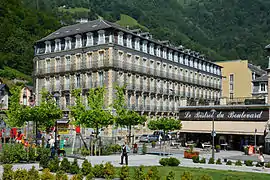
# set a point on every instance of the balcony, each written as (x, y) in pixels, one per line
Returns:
(242, 101)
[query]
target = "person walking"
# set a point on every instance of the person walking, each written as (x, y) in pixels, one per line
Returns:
(261, 159)
(124, 154)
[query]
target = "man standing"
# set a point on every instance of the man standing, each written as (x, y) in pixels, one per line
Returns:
(125, 151)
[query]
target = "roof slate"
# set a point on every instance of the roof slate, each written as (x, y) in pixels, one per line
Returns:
(256, 69)
(263, 78)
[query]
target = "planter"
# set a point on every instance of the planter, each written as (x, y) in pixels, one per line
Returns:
(217, 150)
(190, 155)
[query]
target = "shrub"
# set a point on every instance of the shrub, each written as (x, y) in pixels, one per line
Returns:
(196, 159)
(98, 170)
(85, 152)
(144, 149)
(267, 165)
(90, 176)
(13, 153)
(86, 167)
(33, 174)
(238, 163)
(77, 177)
(43, 157)
(124, 173)
(206, 177)
(218, 147)
(186, 176)
(153, 174)
(203, 161)
(116, 148)
(61, 175)
(249, 163)
(139, 173)
(54, 164)
(74, 168)
(46, 175)
(211, 161)
(8, 172)
(171, 176)
(20, 174)
(218, 161)
(109, 171)
(65, 165)
(229, 162)
(31, 154)
(163, 161)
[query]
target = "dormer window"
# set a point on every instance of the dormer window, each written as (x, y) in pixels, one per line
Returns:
(170, 55)
(90, 39)
(164, 53)
(120, 39)
(129, 41)
(262, 87)
(144, 46)
(48, 48)
(57, 45)
(67, 43)
(158, 54)
(137, 44)
(78, 43)
(175, 58)
(101, 37)
(151, 49)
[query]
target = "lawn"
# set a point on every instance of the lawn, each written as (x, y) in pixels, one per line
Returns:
(73, 10)
(215, 174)
(126, 20)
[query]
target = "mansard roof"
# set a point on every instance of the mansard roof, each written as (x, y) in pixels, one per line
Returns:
(100, 24)
(256, 69)
(263, 78)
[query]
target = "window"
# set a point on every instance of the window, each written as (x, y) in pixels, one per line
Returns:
(231, 82)
(57, 83)
(78, 81)
(89, 58)
(100, 74)
(89, 81)
(24, 101)
(57, 100)
(67, 83)
(231, 95)
(231, 78)
(57, 64)
(68, 63)
(67, 100)
(129, 99)
(137, 100)
(262, 87)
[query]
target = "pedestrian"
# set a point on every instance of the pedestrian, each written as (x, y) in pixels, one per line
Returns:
(125, 151)
(261, 159)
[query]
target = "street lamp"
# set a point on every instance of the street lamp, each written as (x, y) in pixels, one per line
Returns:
(213, 133)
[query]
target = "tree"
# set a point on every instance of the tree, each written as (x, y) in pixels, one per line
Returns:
(96, 116)
(125, 117)
(165, 124)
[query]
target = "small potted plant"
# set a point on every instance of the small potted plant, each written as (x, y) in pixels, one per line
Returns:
(153, 144)
(246, 150)
(218, 148)
(189, 154)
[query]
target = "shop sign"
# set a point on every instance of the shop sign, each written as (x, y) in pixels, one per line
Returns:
(224, 115)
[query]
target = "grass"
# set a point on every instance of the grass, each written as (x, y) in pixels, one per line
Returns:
(74, 10)
(198, 172)
(126, 20)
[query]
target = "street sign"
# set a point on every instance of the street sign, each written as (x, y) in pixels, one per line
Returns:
(255, 130)
(214, 133)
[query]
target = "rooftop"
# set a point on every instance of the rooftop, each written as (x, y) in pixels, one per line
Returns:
(263, 78)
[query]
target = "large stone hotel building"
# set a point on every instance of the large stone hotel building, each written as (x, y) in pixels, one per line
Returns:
(159, 76)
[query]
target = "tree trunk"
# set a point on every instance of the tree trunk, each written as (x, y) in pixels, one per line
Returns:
(129, 134)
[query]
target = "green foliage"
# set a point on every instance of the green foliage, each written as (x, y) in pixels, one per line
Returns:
(196, 159)
(61, 175)
(65, 165)
(85, 152)
(187, 176)
(249, 163)
(21, 174)
(74, 168)
(77, 177)
(44, 157)
(153, 174)
(267, 165)
(203, 161)
(54, 164)
(89, 176)
(127, 21)
(109, 171)
(46, 175)
(169, 161)
(238, 163)
(98, 170)
(171, 176)
(13, 153)
(139, 173)
(218, 161)
(124, 173)
(229, 162)
(86, 167)
(211, 161)
(8, 173)
(206, 177)
(97, 116)
(33, 174)
(165, 124)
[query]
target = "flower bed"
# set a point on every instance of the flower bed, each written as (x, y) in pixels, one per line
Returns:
(190, 155)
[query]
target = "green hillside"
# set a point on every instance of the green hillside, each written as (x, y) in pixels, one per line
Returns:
(224, 29)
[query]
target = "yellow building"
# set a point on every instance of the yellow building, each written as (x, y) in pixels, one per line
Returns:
(238, 76)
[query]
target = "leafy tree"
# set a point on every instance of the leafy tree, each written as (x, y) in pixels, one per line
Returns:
(97, 116)
(125, 117)
(165, 124)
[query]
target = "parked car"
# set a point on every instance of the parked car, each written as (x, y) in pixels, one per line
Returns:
(148, 138)
(152, 138)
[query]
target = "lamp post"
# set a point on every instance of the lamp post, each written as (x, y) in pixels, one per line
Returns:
(213, 133)
(255, 143)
